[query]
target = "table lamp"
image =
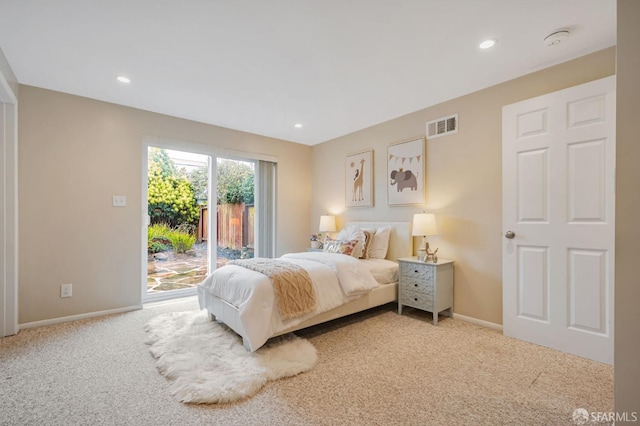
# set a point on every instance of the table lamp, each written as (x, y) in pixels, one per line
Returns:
(424, 224)
(327, 224)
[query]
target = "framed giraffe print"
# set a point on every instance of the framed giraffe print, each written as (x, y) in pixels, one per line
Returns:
(358, 179)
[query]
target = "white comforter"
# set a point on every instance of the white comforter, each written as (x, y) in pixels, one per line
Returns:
(336, 278)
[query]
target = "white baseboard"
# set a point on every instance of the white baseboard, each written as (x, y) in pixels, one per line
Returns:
(78, 317)
(480, 322)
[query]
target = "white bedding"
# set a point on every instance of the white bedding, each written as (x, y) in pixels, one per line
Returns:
(383, 270)
(337, 279)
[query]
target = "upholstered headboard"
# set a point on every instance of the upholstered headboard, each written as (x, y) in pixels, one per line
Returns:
(400, 239)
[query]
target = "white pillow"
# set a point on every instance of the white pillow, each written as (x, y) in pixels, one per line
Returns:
(352, 232)
(380, 243)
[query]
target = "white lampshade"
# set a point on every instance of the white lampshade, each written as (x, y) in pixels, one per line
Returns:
(327, 223)
(424, 224)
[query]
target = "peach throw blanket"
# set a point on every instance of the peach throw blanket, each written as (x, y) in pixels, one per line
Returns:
(292, 285)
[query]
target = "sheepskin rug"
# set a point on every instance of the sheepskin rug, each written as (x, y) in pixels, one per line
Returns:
(206, 362)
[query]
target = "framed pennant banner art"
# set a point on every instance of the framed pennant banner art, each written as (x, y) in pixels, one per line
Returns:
(406, 173)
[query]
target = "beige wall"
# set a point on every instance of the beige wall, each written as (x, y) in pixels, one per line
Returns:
(75, 153)
(463, 177)
(627, 299)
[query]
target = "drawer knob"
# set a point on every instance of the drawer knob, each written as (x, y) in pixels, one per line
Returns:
(415, 285)
(415, 299)
(415, 271)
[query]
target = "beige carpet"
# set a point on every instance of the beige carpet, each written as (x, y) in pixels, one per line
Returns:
(377, 368)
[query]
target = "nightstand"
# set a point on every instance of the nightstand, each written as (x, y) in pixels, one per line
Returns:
(314, 249)
(426, 285)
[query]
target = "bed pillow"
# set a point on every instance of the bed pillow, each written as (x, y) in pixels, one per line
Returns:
(352, 232)
(368, 237)
(339, 246)
(380, 243)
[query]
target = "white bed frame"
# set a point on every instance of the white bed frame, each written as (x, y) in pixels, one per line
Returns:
(400, 245)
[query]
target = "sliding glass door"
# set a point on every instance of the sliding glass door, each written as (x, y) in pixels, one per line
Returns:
(202, 210)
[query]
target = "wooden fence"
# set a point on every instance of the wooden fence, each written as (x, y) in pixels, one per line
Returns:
(235, 225)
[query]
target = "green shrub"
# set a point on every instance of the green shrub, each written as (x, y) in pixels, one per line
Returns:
(161, 237)
(171, 196)
(181, 241)
(157, 246)
(158, 230)
(157, 238)
(235, 182)
(172, 200)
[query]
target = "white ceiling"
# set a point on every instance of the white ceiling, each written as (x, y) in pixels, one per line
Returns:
(336, 66)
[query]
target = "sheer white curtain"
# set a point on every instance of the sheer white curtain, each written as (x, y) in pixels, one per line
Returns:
(265, 200)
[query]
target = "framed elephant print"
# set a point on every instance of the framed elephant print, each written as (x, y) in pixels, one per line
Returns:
(406, 173)
(358, 179)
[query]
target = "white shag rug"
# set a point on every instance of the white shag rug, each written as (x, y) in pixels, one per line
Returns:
(206, 362)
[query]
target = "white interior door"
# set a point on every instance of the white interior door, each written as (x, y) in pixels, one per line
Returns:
(558, 165)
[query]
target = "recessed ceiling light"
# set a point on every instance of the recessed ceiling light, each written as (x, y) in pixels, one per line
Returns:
(123, 79)
(488, 43)
(298, 126)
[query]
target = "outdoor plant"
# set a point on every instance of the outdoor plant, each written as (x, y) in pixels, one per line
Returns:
(157, 238)
(181, 241)
(158, 245)
(235, 182)
(161, 237)
(171, 195)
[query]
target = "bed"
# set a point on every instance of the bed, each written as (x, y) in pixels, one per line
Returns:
(244, 299)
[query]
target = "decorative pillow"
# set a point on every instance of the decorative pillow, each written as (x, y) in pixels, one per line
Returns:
(380, 243)
(339, 246)
(353, 233)
(368, 237)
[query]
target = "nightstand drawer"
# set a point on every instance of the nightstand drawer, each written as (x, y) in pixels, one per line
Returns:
(419, 272)
(416, 300)
(418, 286)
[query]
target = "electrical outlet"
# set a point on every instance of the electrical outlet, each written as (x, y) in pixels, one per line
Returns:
(65, 290)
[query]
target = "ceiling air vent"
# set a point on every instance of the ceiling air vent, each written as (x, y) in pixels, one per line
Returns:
(442, 126)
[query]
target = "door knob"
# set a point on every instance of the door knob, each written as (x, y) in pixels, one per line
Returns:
(509, 234)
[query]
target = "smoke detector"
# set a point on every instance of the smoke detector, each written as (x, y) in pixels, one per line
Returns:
(556, 37)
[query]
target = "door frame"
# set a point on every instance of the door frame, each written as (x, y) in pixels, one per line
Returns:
(8, 210)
